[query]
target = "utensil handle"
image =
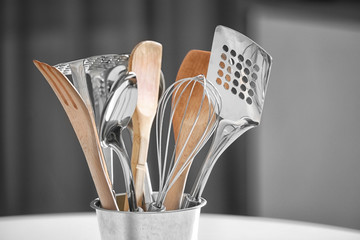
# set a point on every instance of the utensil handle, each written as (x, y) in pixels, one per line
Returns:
(148, 192)
(225, 135)
(138, 161)
(109, 161)
(118, 145)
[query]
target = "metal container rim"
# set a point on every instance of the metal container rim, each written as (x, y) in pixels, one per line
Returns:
(95, 204)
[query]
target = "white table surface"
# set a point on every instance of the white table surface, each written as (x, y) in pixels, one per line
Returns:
(212, 226)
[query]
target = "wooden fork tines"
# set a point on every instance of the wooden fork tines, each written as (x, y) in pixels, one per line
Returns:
(85, 130)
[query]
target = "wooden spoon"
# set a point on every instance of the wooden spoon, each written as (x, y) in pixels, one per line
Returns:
(145, 62)
(195, 63)
(85, 130)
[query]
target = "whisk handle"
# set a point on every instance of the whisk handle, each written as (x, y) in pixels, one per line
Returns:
(226, 133)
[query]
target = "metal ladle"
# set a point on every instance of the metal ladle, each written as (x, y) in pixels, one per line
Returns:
(116, 116)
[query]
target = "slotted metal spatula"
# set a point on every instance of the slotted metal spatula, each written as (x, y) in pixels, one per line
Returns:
(239, 69)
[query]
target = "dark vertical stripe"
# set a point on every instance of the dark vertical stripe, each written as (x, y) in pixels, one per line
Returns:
(24, 106)
(2, 111)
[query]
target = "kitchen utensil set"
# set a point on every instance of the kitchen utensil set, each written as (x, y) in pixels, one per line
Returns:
(103, 71)
(220, 93)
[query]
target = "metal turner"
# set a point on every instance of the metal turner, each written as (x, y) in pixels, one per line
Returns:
(239, 69)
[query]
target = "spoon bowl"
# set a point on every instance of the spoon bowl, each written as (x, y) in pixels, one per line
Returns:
(117, 114)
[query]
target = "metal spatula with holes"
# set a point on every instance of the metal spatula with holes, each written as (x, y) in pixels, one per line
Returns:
(239, 69)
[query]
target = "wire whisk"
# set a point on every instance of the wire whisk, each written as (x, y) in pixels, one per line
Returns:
(187, 115)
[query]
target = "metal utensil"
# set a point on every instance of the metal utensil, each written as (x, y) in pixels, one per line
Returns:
(145, 62)
(85, 130)
(148, 192)
(195, 63)
(117, 114)
(239, 69)
(102, 71)
(174, 159)
(115, 75)
(99, 73)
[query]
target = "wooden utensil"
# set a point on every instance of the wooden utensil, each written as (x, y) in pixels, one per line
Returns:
(190, 128)
(196, 62)
(145, 62)
(85, 130)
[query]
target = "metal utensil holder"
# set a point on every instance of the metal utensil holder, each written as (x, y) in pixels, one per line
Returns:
(180, 224)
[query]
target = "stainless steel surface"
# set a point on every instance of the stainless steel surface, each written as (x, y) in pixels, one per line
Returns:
(102, 71)
(239, 69)
(178, 225)
(115, 75)
(79, 80)
(164, 134)
(95, 78)
(117, 114)
(148, 190)
(80, 84)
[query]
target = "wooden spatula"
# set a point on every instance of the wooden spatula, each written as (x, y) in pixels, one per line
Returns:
(145, 62)
(195, 63)
(85, 130)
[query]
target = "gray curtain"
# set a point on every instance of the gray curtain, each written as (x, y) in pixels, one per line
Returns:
(42, 167)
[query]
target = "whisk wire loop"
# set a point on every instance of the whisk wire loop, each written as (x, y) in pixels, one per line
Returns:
(171, 157)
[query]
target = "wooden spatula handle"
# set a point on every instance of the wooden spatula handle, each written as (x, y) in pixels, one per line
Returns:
(145, 62)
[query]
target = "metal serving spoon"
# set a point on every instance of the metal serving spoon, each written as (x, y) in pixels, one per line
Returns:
(117, 114)
(102, 71)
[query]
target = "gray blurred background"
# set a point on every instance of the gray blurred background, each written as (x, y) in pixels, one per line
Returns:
(302, 163)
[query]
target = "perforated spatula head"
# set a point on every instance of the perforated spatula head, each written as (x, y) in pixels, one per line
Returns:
(239, 68)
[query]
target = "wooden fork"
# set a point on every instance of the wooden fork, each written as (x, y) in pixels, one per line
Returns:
(85, 130)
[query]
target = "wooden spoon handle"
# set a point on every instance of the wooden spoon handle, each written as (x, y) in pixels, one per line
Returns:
(139, 152)
(145, 61)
